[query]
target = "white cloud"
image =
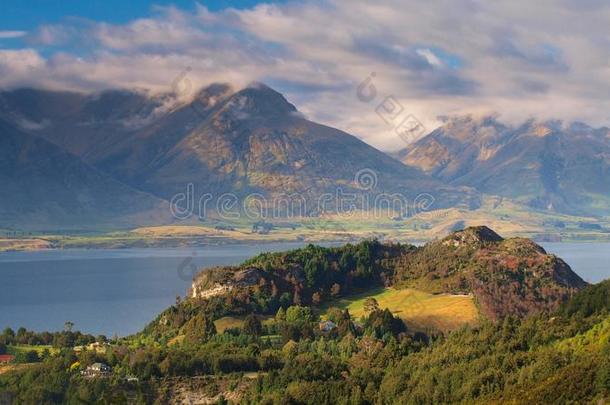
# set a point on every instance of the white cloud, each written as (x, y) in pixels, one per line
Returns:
(546, 59)
(11, 34)
(430, 57)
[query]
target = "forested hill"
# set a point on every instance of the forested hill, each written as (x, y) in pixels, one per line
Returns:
(292, 346)
(505, 276)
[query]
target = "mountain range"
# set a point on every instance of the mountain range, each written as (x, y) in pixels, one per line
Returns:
(80, 160)
(544, 165)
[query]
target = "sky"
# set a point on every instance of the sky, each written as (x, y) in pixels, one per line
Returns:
(369, 68)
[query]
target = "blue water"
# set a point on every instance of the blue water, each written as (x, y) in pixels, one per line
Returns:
(104, 291)
(591, 261)
(120, 291)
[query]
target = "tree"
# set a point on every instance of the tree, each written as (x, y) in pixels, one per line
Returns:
(285, 300)
(297, 297)
(199, 328)
(31, 356)
(280, 316)
(334, 314)
(252, 325)
(8, 334)
(335, 290)
(346, 262)
(312, 270)
(2, 347)
(297, 314)
(383, 321)
(68, 325)
(371, 305)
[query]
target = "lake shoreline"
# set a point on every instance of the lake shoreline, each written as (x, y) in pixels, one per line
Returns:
(110, 242)
(45, 288)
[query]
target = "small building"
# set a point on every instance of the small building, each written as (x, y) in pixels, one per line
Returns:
(6, 358)
(97, 370)
(327, 326)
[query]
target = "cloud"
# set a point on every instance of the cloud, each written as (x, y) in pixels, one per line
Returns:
(12, 34)
(544, 59)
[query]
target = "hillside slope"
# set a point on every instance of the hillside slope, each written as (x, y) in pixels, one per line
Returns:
(194, 352)
(45, 187)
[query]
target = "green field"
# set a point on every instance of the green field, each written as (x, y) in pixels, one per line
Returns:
(19, 351)
(418, 309)
(14, 350)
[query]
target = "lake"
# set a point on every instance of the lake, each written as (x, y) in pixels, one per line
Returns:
(104, 291)
(590, 260)
(120, 291)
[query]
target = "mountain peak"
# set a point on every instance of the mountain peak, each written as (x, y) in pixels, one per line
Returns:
(260, 99)
(215, 90)
(475, 235)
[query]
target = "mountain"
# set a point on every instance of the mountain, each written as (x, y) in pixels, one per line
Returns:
(545, 165)
(223, 141)
(47, 188)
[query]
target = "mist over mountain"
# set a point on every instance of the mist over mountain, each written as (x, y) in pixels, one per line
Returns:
(546, 165)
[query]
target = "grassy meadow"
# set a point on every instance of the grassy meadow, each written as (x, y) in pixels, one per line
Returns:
(420, 310)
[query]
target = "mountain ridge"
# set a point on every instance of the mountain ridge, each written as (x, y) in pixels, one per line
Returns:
(544, 165)
(223, 141)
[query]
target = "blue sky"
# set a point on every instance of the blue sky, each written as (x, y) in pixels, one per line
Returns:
(28, 14)
(545, 59)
